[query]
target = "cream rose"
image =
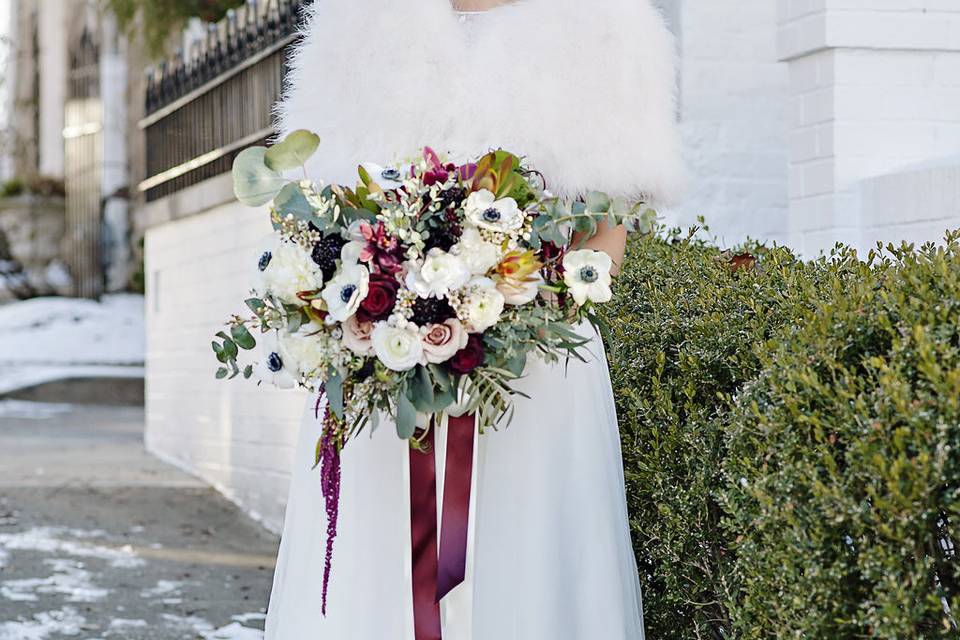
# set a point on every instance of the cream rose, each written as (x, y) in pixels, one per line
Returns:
(399, 349)
(442, 341)
(357, 336)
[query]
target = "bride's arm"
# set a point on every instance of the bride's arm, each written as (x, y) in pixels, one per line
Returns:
(610, 240)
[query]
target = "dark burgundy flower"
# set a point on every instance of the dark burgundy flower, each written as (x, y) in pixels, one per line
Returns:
(380, 300)
(468, 358)
(383, 252)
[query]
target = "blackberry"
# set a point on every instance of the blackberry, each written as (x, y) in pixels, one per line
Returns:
(453, 198)
(326, 253)
(443, 237)
(431, 311)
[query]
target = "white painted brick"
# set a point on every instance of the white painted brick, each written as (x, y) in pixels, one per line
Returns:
(235, 435)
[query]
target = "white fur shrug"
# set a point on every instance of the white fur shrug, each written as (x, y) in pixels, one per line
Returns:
(585, 89)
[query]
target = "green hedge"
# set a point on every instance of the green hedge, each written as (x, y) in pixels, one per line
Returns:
(790, 432)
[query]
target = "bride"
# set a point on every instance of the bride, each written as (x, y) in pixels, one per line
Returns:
(585, 90)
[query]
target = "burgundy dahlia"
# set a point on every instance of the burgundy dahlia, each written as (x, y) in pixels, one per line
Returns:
(468, 358)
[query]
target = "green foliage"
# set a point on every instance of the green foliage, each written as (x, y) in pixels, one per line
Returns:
(12, 188)
(159, 19)
(843, 457)
(789, 431)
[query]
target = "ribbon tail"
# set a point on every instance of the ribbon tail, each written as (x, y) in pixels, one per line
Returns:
(423, 530)
(457, 482)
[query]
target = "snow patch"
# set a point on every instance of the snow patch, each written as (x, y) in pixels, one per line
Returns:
(163, 588)
(23, 410)
(51, 540)
(205, 630)
(69, 579)
(66, 621)
(48, 339)
(122, 623)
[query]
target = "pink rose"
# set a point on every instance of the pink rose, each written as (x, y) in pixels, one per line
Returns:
(356, 336)
(442, 341)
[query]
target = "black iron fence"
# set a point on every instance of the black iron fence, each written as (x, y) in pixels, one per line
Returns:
(215, 99)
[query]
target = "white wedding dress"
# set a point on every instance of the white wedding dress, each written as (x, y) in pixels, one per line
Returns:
(550, 555)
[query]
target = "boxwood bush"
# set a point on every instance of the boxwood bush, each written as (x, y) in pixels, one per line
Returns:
(789, 433)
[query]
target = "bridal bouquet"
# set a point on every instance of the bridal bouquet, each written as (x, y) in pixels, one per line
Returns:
(421, 291)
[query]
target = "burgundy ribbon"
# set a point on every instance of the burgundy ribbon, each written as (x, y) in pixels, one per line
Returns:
(434, 577)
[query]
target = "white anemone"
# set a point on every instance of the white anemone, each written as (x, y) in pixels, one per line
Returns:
(587, 274)
(483, 210)
(346, 291)
(272, 367)
(387, 178)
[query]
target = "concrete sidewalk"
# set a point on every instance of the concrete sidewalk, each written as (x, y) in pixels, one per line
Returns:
(99, 540)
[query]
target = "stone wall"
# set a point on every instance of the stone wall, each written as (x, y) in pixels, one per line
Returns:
(34, 228)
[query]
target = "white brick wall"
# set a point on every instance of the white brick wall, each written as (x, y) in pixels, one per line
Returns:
(873, 90)
(733, 118)
(236, 436)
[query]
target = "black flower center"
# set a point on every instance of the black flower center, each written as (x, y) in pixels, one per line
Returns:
(346, 294)
(491, 215)
(390, 174)
(274, 363)
(265, 260)
(589, 275)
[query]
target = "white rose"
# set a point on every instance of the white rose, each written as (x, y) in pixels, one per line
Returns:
(356, 336)
(398, 349)
(483, 305)
(346, 291)
(288, 270)
(521, 293)
(477, 254)
(440, 273)
(442, 341)
(304, 351)
(483, 210)
(587, 274)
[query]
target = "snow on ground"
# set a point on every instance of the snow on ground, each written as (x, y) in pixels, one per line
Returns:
(74, 584)
(48, 339)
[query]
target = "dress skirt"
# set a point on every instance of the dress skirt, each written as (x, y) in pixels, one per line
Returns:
(549, 558)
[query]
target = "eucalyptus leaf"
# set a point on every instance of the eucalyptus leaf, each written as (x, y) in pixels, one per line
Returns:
(334, 389)
(293, 151)
(222, 373)
(406, 417)
(241, 335)
(248, 371)
(598, 202)
(254, 183)
(292, 202)
(230, 349)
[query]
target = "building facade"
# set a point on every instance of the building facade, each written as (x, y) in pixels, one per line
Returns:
(806, 122)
